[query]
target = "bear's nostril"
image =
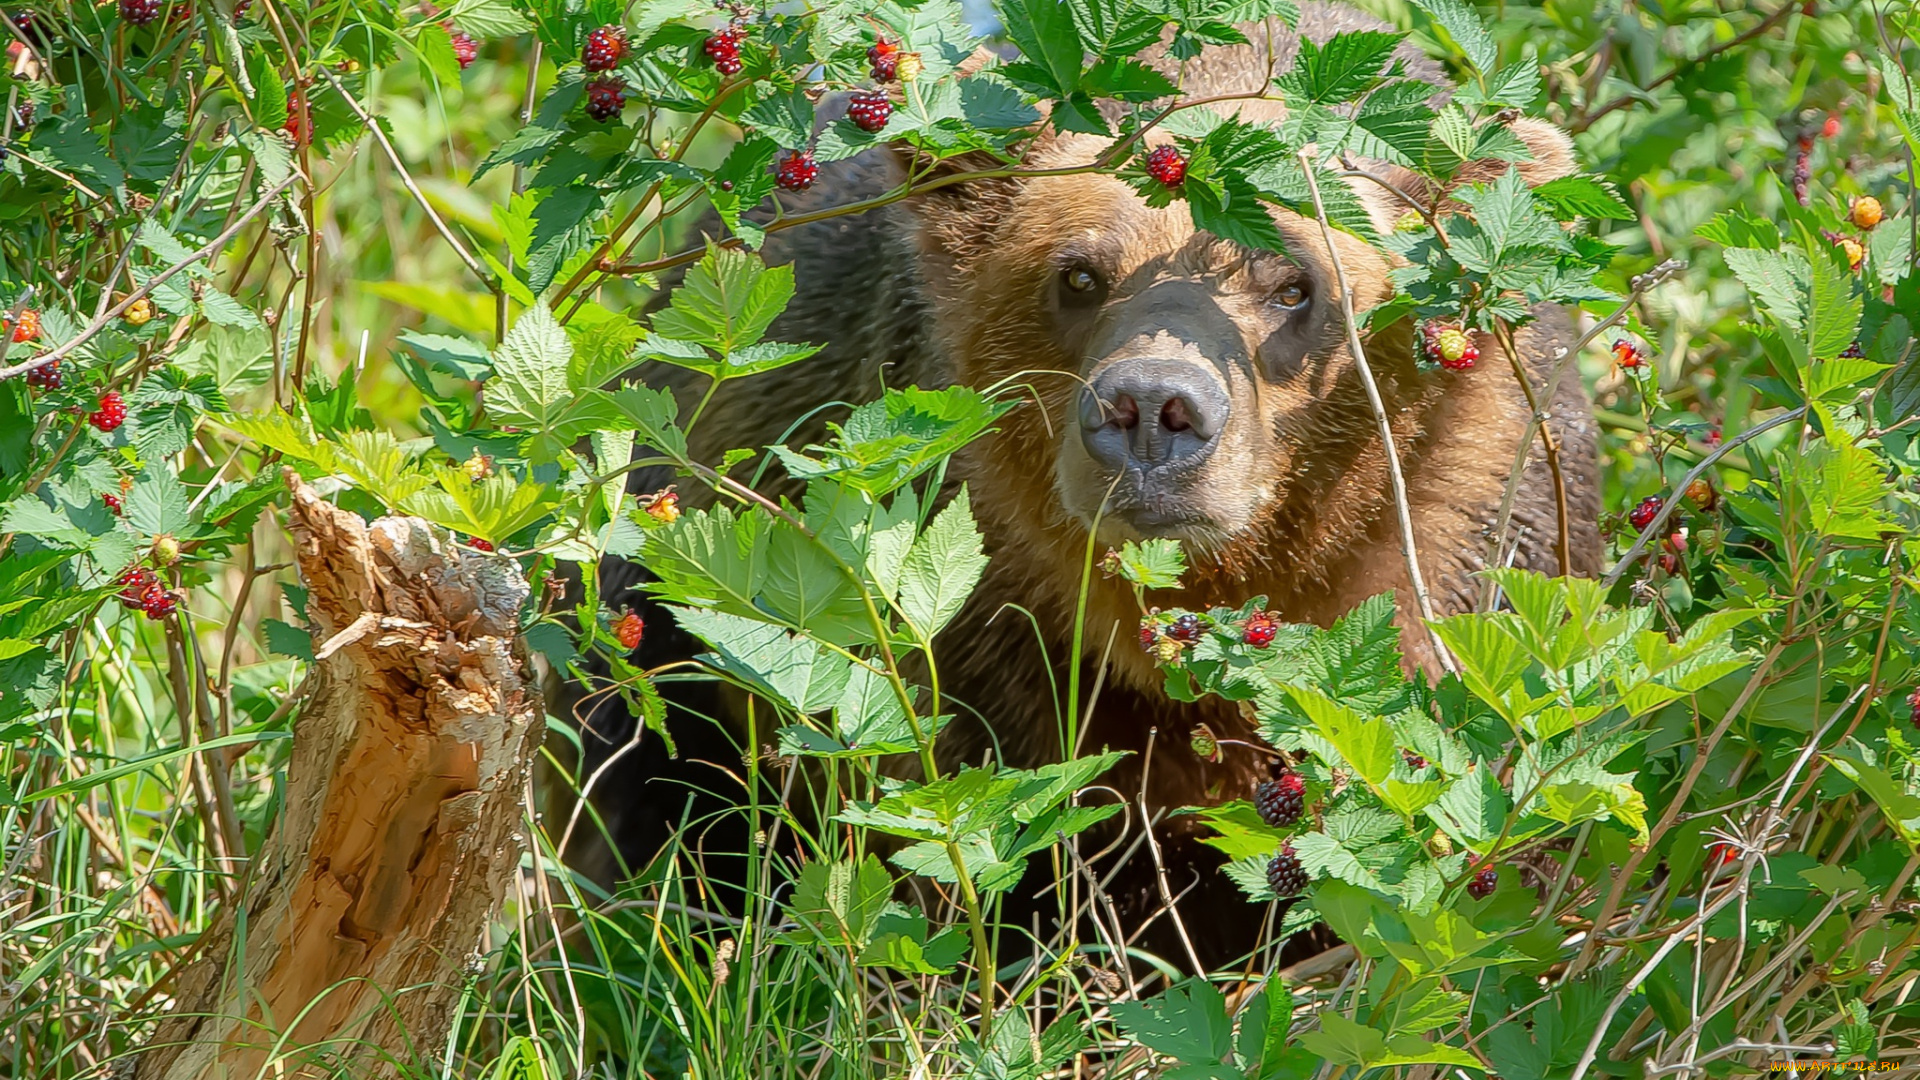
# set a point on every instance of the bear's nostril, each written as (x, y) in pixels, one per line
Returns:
(1126, 412)
(1174, 415)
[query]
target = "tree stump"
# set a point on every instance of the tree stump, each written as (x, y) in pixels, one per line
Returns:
(402, 825)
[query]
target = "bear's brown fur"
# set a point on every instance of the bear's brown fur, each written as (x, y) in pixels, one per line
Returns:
(1292, 500)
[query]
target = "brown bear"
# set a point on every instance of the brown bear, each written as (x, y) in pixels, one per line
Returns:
(1183, 387)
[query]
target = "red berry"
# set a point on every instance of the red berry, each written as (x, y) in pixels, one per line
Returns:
(795, 170)
(884, 58)
(629, 630)
(869, 110)
(298, 124)
(1413, 760)
(1449, 346)
(28, 329)
(135, 581)
(1720, 853)
(1483, 883)
(1167, 165)
(605, 98)
(113, 502)
(1185, 629)
(465, 49)
(1831, 128)
(1285, 874)
(111, 413)
(1149, 634)
(141, 12)
(482, 545)
(1627, 354)
(1260, 629)
(45, 377)
(1913, 703)
(723, 49)
(1281, 801)
(157, 602)
(606, 47)
(1642, 515)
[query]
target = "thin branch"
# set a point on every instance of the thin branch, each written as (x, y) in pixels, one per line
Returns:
(101, 321)
(1582, 123)
(1666, 508)
(406, 180)
(1399, 481)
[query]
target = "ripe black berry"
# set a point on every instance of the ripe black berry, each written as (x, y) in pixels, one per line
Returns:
(883, 57)
(157, 602)
(605, 98)
(141, 12)
(134, 581)
(1282, 800)
(1484, 882)
(1167, 165)
(795, 170)
(1413, 760)
(1260, 629)
(111, 413)
(869, 110)
(1185, 629)
(605, 48)
(1853, 352)
(1285, 874)
(1642, 515)
(113, 503)
(45, 377)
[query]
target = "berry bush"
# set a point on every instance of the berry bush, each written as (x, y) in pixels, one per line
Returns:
(1662, 822)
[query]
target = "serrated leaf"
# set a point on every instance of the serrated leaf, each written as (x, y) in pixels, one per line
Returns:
(942, 567)
(1583, 196)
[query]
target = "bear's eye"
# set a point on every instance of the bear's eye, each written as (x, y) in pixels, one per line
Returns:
(1080, 279)
(1291, 296)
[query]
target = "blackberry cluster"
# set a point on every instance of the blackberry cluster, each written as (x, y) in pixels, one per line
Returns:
(111, 413)
(723, 48)
(1186, 629)
(605, 98)
(1413, 760)
(138, 313)
(869, 110)
(141, 12)
(113, 503)
(141, 588)
(606, 47)
(1643, 514)
(1484, 882)
(883, 59)
(45, 377)
(1167, 165)
(1282, 800)
(795, 170)
(1285, 874)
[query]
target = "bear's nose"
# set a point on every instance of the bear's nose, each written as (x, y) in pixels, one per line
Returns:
(1151, 412)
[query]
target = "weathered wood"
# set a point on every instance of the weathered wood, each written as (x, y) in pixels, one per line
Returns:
(402, 825)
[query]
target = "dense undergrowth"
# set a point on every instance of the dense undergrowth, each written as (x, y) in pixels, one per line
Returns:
(1696, 782)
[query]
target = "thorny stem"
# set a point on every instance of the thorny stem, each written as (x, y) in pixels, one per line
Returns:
(1401, 509)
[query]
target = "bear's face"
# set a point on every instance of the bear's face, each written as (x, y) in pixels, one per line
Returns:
(1186, 382)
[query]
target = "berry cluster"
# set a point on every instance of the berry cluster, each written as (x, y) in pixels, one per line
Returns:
(883, 59)
(299, 125)
(723, 48)
(113, 503)
(606, 97)
(28, 328)
(869, 110)
(630, 629)
(138, 313)
(1483, 883)
(141, 588)
(1285, 874)
(664, 507)
(795, 170)
(45, 377)
(1186, 629)
(1260, 629)
(479, 545)
(111, 413)
(1449, 346)
(1629, 355)
(1167, 165)
(465, 49)
(1413, 760)
(1643, 514)
(606, 47)
(1913, 704)
(1865, 212)
(141, 12)
(1803, 161)
(1282, 800)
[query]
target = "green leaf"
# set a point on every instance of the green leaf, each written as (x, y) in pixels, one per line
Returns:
(530, 386)
(901, 941)
(1367, 744)
(840, 903)
(1774, 278)
(1460, 22)
(1187, 1023)
(790, 669)
(1049, 44)
(1570, 197)
(727, 302)
(1339, 70)
(1155, 563)
(942, 567)
(1900, 805)
(244, 736)
(158, 504)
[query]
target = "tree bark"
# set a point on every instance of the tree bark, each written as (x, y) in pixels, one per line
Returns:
(401, 829)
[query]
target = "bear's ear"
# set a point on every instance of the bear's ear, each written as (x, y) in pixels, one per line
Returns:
(1551, 157)
(956, 216)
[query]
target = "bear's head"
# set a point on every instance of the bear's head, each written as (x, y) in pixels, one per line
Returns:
(1186, 386)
